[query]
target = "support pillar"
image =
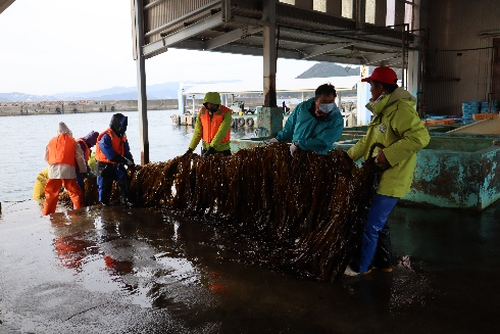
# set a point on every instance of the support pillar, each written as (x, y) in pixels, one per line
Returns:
(270, 121)
(142, 100)
(363, 115)
(270, 118)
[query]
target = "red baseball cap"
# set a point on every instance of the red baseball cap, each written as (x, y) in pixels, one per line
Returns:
(383, 74)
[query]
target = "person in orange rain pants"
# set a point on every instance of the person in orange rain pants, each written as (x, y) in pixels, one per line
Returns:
(64, 156)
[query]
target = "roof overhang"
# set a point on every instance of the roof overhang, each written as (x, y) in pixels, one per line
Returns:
(4, 4)
(235, 26)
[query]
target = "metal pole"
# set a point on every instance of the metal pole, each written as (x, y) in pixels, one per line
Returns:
(360, 13)
(142, 100)
(403, 67)
(269, 53)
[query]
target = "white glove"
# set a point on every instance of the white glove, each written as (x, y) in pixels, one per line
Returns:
(293, 148)
(273, 140)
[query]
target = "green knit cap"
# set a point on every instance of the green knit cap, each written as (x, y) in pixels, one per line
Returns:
(212, 97)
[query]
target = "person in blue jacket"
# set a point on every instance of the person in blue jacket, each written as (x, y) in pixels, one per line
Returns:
(112, 155)
(315, 124)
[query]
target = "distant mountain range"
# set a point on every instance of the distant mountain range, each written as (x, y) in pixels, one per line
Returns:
(328, 70)
(163, 91)
(167, 90)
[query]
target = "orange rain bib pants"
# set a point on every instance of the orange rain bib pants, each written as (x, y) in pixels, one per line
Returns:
(52, 190)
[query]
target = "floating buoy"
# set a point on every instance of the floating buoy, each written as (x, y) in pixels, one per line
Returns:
(241, 122)
(250, 122)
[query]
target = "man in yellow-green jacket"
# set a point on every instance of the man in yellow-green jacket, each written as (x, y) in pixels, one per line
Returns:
(213, 126)
(397, 126)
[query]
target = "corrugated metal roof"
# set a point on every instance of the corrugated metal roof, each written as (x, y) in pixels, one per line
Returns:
(235, 26)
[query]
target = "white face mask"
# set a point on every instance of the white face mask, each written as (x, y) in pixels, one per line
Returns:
(380, 98)
(327, 108)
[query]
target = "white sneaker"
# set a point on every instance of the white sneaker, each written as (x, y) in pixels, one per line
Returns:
(349, 272)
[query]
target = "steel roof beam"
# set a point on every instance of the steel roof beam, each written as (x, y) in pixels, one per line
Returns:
(255, 50)
(230, 37)
(330, 37)
(307, 50)
(382, 57)
(313, 51)
(193, 30)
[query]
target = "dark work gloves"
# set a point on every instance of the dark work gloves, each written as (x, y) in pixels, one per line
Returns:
(188, 152)
(120, 159)
(208, 152)
(129, 163)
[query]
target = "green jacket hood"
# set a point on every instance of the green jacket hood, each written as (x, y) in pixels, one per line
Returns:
(387, 100)
(212, 97)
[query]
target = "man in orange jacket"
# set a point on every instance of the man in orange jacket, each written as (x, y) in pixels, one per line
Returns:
(64, 156)
(213, 127)
(112, 155)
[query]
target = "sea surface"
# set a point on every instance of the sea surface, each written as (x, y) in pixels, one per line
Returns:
(25, 137)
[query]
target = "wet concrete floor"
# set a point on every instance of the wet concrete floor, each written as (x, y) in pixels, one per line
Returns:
(115, 270)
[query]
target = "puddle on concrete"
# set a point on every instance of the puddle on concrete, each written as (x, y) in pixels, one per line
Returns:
(109, 270)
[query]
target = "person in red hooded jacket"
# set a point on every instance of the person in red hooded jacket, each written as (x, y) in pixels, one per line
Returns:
(64, 156)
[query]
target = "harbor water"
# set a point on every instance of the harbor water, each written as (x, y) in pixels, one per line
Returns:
(145, 270)
(26, 136)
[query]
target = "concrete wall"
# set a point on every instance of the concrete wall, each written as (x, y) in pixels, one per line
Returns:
(53, 107)
(453, 171)
(457, 60)
(457, 172)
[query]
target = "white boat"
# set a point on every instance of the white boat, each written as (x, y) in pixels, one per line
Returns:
(240, 119)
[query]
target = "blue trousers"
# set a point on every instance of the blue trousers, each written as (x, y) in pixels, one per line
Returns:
(380, 210)
(106, 174)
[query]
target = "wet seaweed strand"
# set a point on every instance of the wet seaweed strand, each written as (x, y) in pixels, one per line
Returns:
(302, 213)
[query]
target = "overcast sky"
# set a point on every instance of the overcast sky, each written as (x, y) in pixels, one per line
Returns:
(59, 46)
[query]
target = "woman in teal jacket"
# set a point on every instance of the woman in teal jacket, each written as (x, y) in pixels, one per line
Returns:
(315, 124)
(397, 126)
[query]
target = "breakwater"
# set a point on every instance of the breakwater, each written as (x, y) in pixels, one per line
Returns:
(82, 106)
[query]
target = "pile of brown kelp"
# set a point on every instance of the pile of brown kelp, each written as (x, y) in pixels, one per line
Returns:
(302, 213)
